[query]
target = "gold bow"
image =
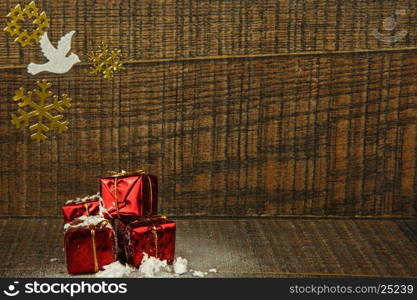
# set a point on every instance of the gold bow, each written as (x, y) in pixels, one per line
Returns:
(131, 173)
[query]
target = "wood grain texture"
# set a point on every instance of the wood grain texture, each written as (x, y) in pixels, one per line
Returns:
(298, 135)
(151, 29)
(272, 248)
(305, 135)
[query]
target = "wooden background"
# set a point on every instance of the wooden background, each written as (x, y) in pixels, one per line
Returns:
(265, 107)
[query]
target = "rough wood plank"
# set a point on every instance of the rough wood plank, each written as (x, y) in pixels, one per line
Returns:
(151, 29)
(238, 248)
(301, 136)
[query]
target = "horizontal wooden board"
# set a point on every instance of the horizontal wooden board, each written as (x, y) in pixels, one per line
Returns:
(157, 29)
(272, 248)
(308, 135)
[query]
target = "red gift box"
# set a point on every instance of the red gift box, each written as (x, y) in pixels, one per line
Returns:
(88, 247)
(134, 194)
(88, 206)
(154, 236)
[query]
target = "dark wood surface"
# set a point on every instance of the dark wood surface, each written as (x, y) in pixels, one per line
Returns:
(318, 134)
(240, 247)
(155, 29)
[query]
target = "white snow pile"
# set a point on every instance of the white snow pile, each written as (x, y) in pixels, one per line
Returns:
(95, 197)
(87, 221)
(102, 211)
(199, 274)
(180, 266)
(151, 267)
(115, 270)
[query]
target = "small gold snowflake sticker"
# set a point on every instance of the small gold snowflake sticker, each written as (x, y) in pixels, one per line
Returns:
(40, 111)
(105, 62)
(18, 17)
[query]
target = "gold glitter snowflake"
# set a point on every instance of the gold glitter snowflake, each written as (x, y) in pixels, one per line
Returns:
(15, 24)
(40, 111)
(105, 61)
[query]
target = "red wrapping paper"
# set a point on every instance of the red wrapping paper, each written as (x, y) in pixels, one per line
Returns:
(75, 210)
(80, 252)
(137, 195)
(154, 236)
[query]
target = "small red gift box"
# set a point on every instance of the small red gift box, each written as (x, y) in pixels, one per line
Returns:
(134, 194)
(88, 247)
(154, 236)
(88, 206)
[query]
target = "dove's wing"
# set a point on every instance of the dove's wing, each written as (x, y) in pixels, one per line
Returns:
(48, 50)
(64, 44)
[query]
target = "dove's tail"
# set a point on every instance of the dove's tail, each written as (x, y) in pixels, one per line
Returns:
(34, 68)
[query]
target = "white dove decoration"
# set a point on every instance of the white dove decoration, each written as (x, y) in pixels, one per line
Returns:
(58, 62)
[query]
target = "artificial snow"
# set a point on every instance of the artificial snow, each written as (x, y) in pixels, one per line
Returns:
(115, 270)
(102, 211)
(95, 197)
(199, 274)
(53, 259)
(180, 266)
(87, 221)
(212, 271)
(150, 267)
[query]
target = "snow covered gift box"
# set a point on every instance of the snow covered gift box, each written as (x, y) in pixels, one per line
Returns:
(154, 236)
(130, 194)
(88, 206)
(89, 244)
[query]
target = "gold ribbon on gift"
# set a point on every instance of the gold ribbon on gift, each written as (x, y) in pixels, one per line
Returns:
(138, 172)
(93, 240)
(86, 208)
(155, 236)
(85, 202)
